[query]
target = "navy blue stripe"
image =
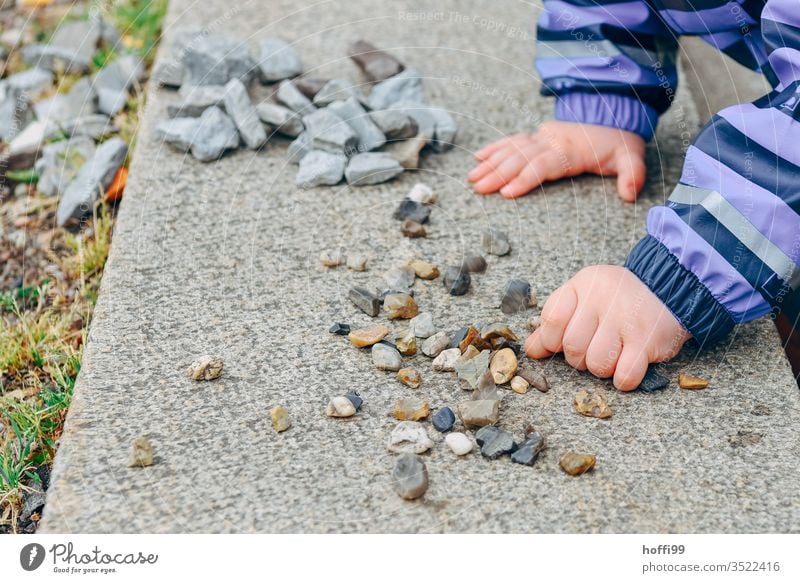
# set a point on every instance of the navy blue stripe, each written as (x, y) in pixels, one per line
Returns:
(774, 99)
(593, 3)
(720, 140)
(755, 271)
(690, 5)
(653, 95)
(741, 53)
(602, 31)
(779, 35)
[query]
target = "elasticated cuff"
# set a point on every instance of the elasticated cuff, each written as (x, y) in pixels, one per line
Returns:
(608, 109)
(680, 290)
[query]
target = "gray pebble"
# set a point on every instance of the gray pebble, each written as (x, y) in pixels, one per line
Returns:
(281, 118)
(456, 281)
(405, 86)
(329, 132)
(370, 136)
(241, 110)
(318, 168)
(516, 297)
(434, 345)
(422, 325)
(410, 477)
(495, 242)
(386, 357)
(215, 134)
(336, 90)
(215, 60)
(278, 60)
(395, 124)
(196, 99)
(289, 95)
(365, 301)
(299, 148)
(371, 168)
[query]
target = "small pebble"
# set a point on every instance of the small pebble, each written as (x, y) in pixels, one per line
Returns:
(534, 322)
(446, 360)
(503, 366)
(411, 409)
(408, 209)
(422, 193)
(459, 443)
(495, 442)
(375, 64)
(410, 477)
(653, 381)
(536, 379)
(422, 325)
(498, 330)
(486, 389)
(357, 263)
(340, 407)
(340, 329)
(386, 357)
(593, 404)
(409, 377)
(519, 385)
(444, 419)
(456, 281)
(495, 242)
(399, 278)
(331, 258)
(280, 418)
(479, 413)
(423, 269)
(576, 464)
(355, 399)
(406, 342)
(472, 369)
(205, 368)
(365, 301)
(464, 337)
(141, 453)
(529, 450)
(413, 230)
(364, 337)
(474, 264)
(434, 345)
(409, 437)
(400, 306)
(516, 297)
(687, 382)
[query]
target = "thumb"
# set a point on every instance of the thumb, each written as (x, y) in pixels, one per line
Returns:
(631, 174)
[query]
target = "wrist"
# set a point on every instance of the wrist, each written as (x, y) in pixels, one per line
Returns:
(607, 109)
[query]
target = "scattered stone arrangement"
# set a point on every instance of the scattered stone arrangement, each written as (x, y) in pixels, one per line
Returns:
(61, 129)
(338, 131)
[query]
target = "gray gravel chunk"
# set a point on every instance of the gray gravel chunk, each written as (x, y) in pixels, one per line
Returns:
(420, 113)
(62, 107)
(336, 90)
(32, 83)
(405, 86)
(70, 49)
(293, 98)
(396, 125)
(320, 168)
(330, 133)
(445, 130)
(15, 114)
(278, 60)
(299, 148)
(178, 132)
(370, 136)
(241, 110)
(410, 477)
(169, 73)
(95, 125)
(283, 119)
(215, 133)
(371, 168)
(197, 99)
(215, 60)
(60, 163)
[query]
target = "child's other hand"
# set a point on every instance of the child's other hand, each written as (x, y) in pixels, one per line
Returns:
(606, 320)
(518, 164)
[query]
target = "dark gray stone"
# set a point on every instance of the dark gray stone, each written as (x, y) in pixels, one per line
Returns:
(486, 434)
(495, 443)
(283, 119)
(444, 419)
(371, 168)
(289, 95)
(340, 329)
(365, 301)
(355, 399)
(408, 209)
(369, 135)
(529, 450)
(395, 124)
(405, 86)
(241, 110)
(495, 242)
(410, 477)
(215, 60)
(474, 264)
(422, 116)
(456, 281)
(516, 297)
(329, 132)
(653, 381)
(215, 133)
(278, 60)
(320, 168)
(375, 64)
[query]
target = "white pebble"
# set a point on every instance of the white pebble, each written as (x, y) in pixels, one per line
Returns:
(357, 263)
(340, 407)
(459, 443)
(409, 437)
(446, 360)
(422, 193)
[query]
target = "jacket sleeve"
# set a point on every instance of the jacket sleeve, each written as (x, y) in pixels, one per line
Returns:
(610, 64)
(726, 246)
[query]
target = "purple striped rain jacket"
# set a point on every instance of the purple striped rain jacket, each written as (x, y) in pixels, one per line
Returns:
(725, 247)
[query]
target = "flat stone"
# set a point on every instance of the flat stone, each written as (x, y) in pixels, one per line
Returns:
(95, 126)
(407, 152)
(371, 168)
(196, 100)
(519, 385)
(472, 369)
(214, 135)
(413, 229)
(241, 110)
(365, 301)
(422, 325)
(434, 345)
(495, 242)
(479, 413)
(486, 389)
(456, 281)
(91, 181)
(423, 269)
(320, 168)
(215, 60)
(330, 133)
(400, 306)
(340, 407)
(459, 443)
(394, 124)
(370, 137)
(409, 437)
(411, 409)
(576, 464)
(289, 95)
(444, 419)
(299, 148)
(406, 342)
(399, 278)
(410, 377)
(364, 337)
(405, 86)
(410, 477)
(536, 378)
(516, 297)
(653, 380)
(60, 162)
(408, 209)
(355, 399)
(495, 442)
(498, 330)
(278, 60)
(141, 453)
(446, 360)
(503, 366)
(31, 139)
(340, 329)
(168, 73)
(309, 86)
(385, 357)
(375, 64)
(529, 450)
(283, 119)
(693, 383)
(591, 403)
(112, 83)
(280, 418)
(357, 262)
(474, 264)
(331, 258)
(205, 368)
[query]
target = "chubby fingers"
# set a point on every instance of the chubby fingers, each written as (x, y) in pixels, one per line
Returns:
(546, 166)
(486, 152)
(556, 315)
(631, 367)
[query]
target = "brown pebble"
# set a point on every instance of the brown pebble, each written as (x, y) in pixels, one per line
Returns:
(687, 382)
(141, 453)
(593, 404)
(423, 269)
(412, 229)
(576, 464)
(409, 377)
(503, 366)
(498, 330)
(368, 336)
(400, 306)
(406, 342)
(411, 409)
(280, 418)
(536, 379)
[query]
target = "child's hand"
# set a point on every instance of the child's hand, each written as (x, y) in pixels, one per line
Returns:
(518, 164)
(605, 319)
